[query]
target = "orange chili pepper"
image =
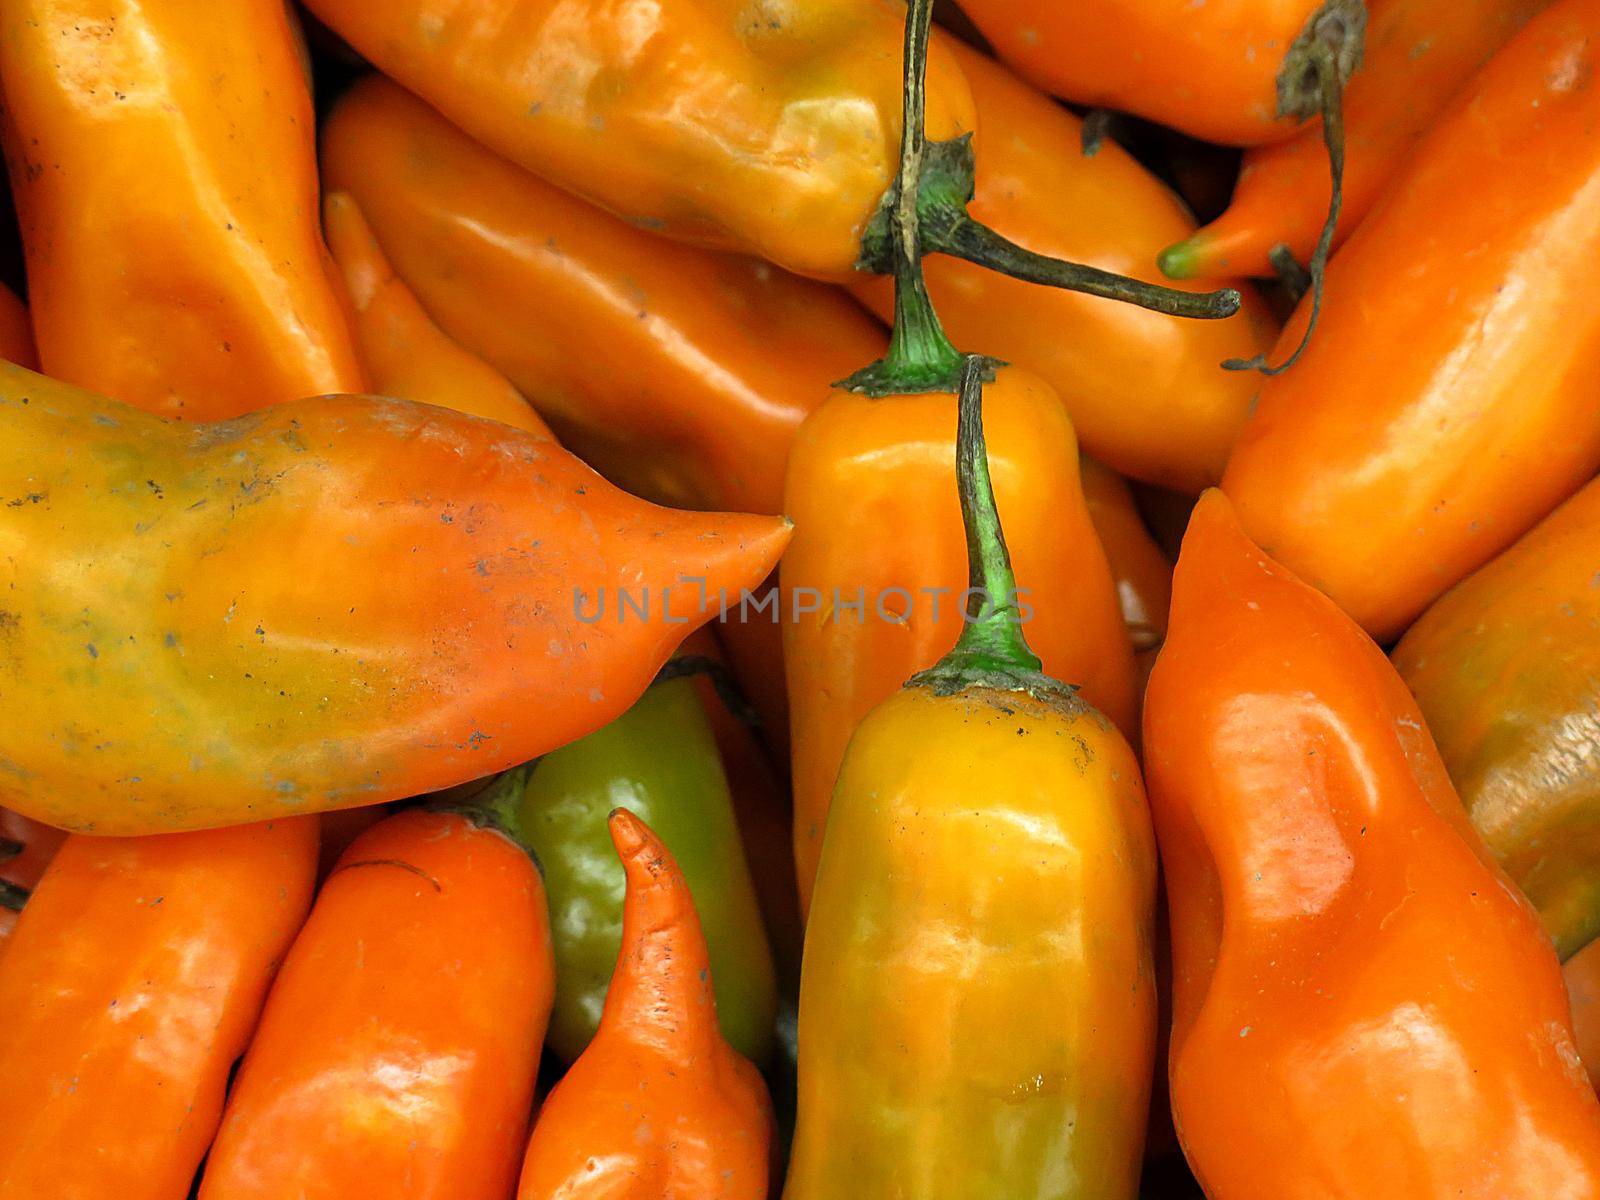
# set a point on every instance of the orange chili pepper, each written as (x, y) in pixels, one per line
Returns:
(710, 362)
(26, 848)
(872, 491)
(1342, 942)
(337, 602)
(783, 121)
(16, 331)
(1419, 54)
(405, 354)
(129, 988)
(397, 1050)
(658, 1104)
(1506, 668)
(1145, 391)
(1240, 73)
(1447, 402)
(164, 171)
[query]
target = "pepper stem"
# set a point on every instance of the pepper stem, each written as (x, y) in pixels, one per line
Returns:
(492, 803)
(1331, 50)
(921, 357)
(992, 650)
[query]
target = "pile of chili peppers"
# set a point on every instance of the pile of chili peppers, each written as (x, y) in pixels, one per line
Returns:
(823, 599)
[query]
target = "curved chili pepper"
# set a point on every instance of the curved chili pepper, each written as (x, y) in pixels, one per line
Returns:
(784, 119)
(164, 169)
(1239, 73)
(405, 354)
(1343, 944)
(16, 331)
(1419, 53)
(1448, 402)
(1143, 389)
(26, 849)
(330, 603)
(397, 1050)
(712, 360)
(129, 988)
(658, 1104)
(977, 1009)
(1506, 668)
(658, 759)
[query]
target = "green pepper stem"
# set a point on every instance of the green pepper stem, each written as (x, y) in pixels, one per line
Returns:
(992, 651)
(921, 357)
(13, 896)
(956, 233)
(1327, 54)
(492, 803)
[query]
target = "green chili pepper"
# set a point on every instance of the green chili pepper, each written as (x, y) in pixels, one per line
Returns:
(658, 760)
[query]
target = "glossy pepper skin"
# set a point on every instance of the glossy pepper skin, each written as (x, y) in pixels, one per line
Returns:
(1419, 53)
(405, 354)
(1446, 402)
(132, 982)
(16, 331)
(678, 373)
(659, 760)
(785, 120)
(23, 861)
(163, 164)
(658, 1104)
(1146, 391)
(1506, 668)
(872, 491)
(1342, 941)
(397, 1050)
(977, 1006)
(1211, 70)
(182, 674)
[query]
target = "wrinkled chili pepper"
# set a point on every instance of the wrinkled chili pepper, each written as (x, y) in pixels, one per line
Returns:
(659, 760)
(977, 1008)
(658, 1104)
(1241, 74)
(1143, 390)
(1362, 999)
(1506, 668)
(1448, 402)
(131, 983)
(405, 354)
(16, 331)
(1419, 53)
(784, 120)
(331, 603)
(163, 164)
(397, 1049)
(26, 849)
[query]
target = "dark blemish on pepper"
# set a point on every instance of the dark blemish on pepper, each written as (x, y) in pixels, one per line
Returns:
(30, 498)
(93, 653)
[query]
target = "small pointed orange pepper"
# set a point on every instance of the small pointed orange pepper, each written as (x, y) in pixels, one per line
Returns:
(1419, 54)
(659, 1104)
(405, 354)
